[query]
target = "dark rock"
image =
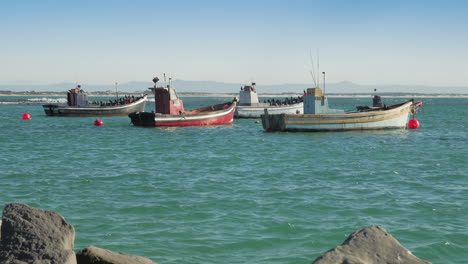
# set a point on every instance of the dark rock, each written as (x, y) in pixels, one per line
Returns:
(31, 235)
(95, 255)
(368, 246)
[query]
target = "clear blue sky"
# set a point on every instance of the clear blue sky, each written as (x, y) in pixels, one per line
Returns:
(104, 41)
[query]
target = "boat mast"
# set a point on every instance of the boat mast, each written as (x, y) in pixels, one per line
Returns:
(116, 92)
(313, 72)
(323, 83)
(318, 69)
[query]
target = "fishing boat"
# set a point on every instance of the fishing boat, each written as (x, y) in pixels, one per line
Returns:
(250, 107)
(319, 117)
(79, 105)
(170, 111)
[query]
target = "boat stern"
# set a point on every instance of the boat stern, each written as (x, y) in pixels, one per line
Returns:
(50, 109)
(142, 118)
(273, 123)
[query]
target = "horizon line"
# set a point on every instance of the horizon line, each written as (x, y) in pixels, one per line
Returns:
(223, 82)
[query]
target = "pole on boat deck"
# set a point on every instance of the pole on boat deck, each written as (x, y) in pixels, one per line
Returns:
(155, 80)
(323, 83)
(116, 93)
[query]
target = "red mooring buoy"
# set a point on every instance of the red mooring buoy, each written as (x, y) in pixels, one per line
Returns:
(26, 116)
(413, 124)
(98, 122)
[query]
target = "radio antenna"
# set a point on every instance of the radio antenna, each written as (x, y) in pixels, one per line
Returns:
(318, 68)
(313, 72)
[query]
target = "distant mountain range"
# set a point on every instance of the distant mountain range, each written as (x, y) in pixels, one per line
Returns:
(183, 86)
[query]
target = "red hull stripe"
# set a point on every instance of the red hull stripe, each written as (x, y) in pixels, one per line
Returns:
(202, 122)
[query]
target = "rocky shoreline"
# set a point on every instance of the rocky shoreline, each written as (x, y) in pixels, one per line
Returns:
(33, 235)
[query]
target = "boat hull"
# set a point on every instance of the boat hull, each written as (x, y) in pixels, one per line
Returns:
(394, 118)
(121, 110)
(223, 114)
(257, 111)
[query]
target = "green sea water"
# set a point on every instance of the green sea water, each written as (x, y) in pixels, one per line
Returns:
(235, 194)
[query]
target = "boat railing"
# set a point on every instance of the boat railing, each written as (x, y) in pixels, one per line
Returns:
(116, 102)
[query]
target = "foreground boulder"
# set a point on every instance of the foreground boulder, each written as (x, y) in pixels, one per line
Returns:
(368, 246)
(94, 255)
(31, 235)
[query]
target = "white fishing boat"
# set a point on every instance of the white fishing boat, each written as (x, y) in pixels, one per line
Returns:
(79, 105)
(318, 117)
(250, 107)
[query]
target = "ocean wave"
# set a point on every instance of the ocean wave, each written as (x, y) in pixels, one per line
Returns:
(47, 100)
(43, 100)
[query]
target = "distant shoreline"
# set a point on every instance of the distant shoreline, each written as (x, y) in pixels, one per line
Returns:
(388, 95)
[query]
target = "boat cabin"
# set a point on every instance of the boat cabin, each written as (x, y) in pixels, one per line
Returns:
(315, 102)
(77, 97)
(166, 99)
(377, 101)
(248, 95)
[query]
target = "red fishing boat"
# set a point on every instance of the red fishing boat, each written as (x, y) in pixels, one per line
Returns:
(170, 111)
